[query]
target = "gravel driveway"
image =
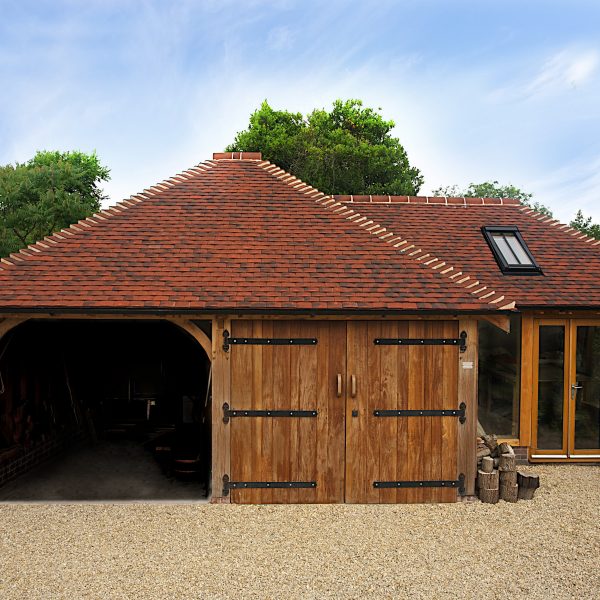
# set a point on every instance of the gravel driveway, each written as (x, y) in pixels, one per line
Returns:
(545, 548)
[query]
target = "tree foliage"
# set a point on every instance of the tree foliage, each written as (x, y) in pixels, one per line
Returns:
(348, 150)
(492, 189)
(45, 194)
(585, 225)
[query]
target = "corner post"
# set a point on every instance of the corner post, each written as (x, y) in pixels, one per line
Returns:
(467, 393)
(221, 393)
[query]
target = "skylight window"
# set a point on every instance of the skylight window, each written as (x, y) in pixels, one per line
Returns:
(510, 250)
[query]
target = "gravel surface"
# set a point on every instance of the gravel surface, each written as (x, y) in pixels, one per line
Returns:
(545, 548)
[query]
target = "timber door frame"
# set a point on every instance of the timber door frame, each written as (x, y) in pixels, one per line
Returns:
(567, 453)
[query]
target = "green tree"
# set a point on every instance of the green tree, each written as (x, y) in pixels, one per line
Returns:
(585, 225)
(492, 189)
(47, 193)
(348, 150)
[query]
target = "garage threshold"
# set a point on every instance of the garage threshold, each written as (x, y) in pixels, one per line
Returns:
(107, 472)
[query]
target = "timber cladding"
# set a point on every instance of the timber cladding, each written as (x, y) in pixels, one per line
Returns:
(334, 411)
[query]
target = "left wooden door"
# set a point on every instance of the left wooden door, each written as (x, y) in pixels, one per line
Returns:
(298, 457)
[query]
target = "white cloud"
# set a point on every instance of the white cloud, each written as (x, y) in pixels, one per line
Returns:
(563, 71)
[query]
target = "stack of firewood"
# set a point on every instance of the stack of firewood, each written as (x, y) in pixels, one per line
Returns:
(497, 476)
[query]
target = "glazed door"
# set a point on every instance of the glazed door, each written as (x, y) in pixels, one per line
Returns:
(584, 432)
(567, 390)
(396, 371)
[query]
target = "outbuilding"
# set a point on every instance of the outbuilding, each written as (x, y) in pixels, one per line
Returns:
(304, 347)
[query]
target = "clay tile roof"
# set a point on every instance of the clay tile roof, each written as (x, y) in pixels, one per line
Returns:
(451, 231)
(237, 233)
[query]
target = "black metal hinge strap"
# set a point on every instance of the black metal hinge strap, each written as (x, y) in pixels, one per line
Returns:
(228, 340)
(459, 484)
(460, 342)
(228, 413)
(246, 485)
(460, 413)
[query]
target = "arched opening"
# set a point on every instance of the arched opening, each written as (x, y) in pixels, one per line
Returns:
(105, 410)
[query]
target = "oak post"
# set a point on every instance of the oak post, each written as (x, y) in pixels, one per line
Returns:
(467, 393)
(221, 390)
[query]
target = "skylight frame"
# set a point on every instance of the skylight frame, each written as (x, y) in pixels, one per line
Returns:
(506, 267)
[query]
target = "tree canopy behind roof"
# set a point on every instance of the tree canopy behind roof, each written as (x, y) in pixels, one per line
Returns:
(348, 150)
(49, 192)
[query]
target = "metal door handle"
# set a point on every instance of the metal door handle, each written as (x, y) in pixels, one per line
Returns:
(574, 387)
(339, 385)
(353, 386)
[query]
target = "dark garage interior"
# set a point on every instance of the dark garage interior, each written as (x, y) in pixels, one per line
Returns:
(104, 410)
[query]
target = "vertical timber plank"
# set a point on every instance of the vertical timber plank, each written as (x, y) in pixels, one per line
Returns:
(356, 445)
(370, 382)
(467, 393)
(296, 383)
(307, 400)
(403, 448)
(416, 457)
(242, 467)
(281, 427)
(336, 409)
(267, 399)
(324, 388)
(449, 425)
(257, 457)
(437, 400)
(388, 391)
(221, 380)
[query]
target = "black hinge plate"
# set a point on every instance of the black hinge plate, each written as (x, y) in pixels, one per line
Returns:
(228, 413)
(460, 413)
(228, 340)
(460, 342)
(246, 485)
(459, 484)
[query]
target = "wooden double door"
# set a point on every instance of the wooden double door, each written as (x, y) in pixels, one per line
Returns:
(335, 411)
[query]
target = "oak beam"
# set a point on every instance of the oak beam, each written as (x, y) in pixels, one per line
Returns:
(197, 334)
(7, 324)
(500, 321)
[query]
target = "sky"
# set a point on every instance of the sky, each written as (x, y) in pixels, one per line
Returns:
(479, 90)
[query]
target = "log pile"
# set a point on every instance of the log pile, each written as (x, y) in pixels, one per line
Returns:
(497, 476)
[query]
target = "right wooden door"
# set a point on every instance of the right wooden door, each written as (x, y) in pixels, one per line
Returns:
(402, 413)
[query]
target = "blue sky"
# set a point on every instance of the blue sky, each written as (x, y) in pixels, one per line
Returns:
(479, 90)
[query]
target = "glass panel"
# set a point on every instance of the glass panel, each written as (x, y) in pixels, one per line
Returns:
(505, 250)
(551, 373)
(517, 249)
(500, 378)
(587, 406)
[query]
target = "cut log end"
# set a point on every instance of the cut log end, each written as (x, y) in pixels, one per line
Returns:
(487, 464)
(507, 462)
(527, 485)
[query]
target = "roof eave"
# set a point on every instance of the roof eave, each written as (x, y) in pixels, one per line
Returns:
(58, 311)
